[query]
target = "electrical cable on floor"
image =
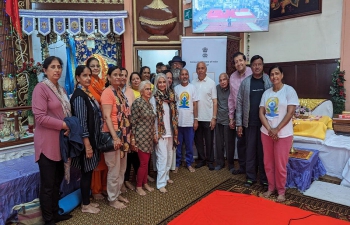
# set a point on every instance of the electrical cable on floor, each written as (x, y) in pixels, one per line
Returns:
(301, 218)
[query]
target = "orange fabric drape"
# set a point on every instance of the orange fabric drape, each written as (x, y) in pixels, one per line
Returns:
(96, 88)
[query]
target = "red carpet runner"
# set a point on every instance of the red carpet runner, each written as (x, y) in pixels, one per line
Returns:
(223, 207)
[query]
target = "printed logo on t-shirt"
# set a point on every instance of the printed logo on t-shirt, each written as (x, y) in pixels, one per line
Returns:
(184, 102)
(272, 107)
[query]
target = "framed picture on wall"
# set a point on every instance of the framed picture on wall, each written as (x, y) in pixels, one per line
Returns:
(157, 22)
(286, 9)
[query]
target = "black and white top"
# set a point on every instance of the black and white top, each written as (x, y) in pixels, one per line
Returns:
(88, 112)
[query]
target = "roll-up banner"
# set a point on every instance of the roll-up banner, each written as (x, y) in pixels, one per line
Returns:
(209, 49)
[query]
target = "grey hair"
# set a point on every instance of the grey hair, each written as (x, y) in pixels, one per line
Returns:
(202, 63)
(225, 74)
(143, 84)
(160, 75)
(184, 69)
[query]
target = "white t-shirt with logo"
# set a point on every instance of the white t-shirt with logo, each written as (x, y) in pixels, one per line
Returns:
(276, 104)
(185, 96)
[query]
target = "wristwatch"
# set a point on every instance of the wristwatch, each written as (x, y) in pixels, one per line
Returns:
(214, 117)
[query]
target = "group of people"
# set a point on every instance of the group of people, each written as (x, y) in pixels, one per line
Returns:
(162, 118)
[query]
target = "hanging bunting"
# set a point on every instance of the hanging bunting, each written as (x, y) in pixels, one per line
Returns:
(60, 18)
(118, 25)
(28, 25)
(74, 25)
(89, 25)
(104, 26)
(44, 26)
(59, 25)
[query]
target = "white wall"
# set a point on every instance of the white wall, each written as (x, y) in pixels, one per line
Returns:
(151, 57)
(304, 38)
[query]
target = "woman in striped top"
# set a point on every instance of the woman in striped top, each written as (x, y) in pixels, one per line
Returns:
(87, 110)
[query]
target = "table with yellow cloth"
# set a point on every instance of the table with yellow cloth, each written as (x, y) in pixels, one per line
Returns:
(314, 126)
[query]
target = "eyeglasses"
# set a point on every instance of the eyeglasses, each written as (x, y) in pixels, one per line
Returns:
(148, 89)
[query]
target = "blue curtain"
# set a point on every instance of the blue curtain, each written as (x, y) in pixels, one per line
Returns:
(71, 65)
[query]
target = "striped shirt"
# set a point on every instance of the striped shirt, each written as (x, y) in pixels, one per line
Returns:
(81, 112)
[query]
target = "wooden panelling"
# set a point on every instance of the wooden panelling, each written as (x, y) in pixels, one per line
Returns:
(311, 79)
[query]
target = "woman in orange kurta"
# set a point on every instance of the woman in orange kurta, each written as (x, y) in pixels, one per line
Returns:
(98, 79)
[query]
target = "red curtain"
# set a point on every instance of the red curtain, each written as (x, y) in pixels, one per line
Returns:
(12, 11)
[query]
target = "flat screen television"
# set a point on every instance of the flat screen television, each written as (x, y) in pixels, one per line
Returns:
(216, 16)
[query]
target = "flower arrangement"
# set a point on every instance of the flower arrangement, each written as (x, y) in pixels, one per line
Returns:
(32, 70)
(338, 91)
(31, 67)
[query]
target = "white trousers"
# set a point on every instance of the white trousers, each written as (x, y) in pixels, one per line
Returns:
(173, 163)
(115, 176)
(164, 152)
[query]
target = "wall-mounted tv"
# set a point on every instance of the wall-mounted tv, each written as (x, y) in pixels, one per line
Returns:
(216, 16)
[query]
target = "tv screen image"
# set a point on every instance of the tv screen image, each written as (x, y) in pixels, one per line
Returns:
(213, 16)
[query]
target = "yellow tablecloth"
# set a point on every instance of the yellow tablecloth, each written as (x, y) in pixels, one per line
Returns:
(314, 127)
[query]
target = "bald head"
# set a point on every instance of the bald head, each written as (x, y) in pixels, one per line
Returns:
(201, 70)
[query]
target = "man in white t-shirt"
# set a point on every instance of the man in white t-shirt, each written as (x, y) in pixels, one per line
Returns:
(207, 110)
(186, 100)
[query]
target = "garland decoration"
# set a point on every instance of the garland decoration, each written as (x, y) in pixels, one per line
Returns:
(32, 70)
(337, 90)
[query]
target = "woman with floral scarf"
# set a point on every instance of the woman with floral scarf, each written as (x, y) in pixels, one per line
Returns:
(166, 129)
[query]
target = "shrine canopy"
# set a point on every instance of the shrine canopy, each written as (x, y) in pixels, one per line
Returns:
(73, 22)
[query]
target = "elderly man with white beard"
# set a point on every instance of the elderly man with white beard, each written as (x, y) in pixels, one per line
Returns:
(176, 65)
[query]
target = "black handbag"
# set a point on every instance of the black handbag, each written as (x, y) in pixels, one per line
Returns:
(105, 141)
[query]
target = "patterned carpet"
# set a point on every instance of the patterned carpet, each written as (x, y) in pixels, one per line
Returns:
(189, 188)
(155, 206)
